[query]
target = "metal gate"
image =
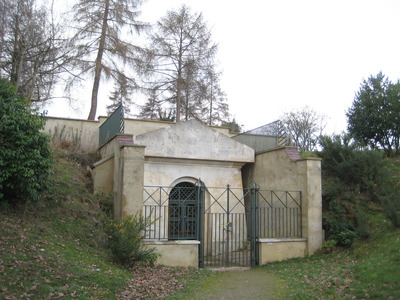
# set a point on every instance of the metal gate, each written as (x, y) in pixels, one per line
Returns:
(183, 212)
(229, 230)
(227, 221)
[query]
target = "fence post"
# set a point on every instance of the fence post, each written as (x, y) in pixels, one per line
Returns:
(200, 221)
(301, 213)
(254, 226)
(225, 227)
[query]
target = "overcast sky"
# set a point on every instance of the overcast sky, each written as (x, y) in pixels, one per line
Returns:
(284, 54)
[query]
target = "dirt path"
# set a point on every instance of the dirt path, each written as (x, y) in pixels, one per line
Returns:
(243, 284)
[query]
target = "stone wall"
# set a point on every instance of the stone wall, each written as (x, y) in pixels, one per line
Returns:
(176, 253)
(84, 134)
(283, 169)
(271, 250)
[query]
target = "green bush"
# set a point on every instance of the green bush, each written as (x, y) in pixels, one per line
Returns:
(345, 238)
(327, 246)
(356, 175)
(337, 225)
(362, 230)
(105, 203)
(352, 165)
(391, 208)
(125, 240)
(25, 156)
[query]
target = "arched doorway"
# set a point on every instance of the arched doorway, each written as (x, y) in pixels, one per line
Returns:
(183, 212)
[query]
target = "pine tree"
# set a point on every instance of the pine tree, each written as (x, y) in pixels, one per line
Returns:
(102, 45)
(181, 56)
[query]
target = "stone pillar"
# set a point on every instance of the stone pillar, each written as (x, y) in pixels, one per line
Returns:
(122, 171)
(129, 180)
(133, 179)
(309, 174)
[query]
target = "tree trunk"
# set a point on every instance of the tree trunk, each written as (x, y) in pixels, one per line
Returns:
(178, 91)
(178, 97)
(16, 54)
(211, 104)
(179, 81)
(97, 71)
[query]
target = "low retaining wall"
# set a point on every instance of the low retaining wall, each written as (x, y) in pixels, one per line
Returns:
(271, 250)
(176, 253)
(186, 253)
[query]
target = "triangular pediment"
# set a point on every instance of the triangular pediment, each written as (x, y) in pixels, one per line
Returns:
(193, 140)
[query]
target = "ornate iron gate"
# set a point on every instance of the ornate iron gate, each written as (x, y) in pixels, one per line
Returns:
(174, 213)
(229, 230)
(183, 212)
(227, 221)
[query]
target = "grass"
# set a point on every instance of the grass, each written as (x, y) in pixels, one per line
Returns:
(315, 277)
(197, 281)
(378, 268)
(49, 265)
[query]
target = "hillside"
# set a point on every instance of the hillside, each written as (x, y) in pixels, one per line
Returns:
(54, 248)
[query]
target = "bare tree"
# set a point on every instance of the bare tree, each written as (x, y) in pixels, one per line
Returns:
(104, 42)
(32, 53)
(216, 106)
(179, 59)
(304, 126)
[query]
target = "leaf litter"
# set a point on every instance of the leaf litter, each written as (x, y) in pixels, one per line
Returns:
(156, 282)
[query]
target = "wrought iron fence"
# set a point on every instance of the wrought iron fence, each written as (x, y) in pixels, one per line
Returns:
(227, 221)
(174, 213)
(113, 125)
(279, 214)
(155, 209)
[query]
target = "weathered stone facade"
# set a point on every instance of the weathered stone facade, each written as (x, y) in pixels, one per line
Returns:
(152, 153)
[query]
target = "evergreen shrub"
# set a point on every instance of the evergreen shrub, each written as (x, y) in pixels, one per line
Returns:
(125, 240)
(352, 165)
(337, 225)
(391, 207)
(25, 155)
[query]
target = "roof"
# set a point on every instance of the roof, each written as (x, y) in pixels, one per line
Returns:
(194, 140)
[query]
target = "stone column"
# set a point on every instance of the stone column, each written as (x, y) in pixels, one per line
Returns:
(309, 174)
(129, 180)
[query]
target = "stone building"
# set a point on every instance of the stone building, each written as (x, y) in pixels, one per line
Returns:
(214, 198)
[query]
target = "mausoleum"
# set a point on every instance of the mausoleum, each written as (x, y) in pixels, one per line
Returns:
(214, 198)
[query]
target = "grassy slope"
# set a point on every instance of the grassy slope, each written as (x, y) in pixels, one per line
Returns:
(51, 249)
